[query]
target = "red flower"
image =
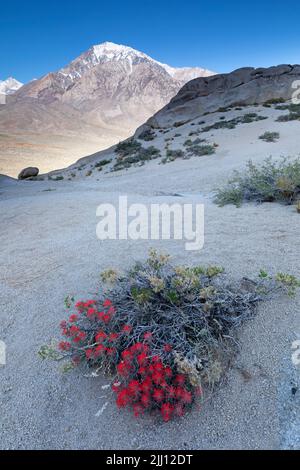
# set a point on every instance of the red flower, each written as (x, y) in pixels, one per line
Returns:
(171, 391)
(100, 315)
(106, 318)
(142, 358)
(186, 396)
(113, 337)
(178, 392)
(91, 312)
(126, 355)
(146, 385)
(133, 387)
(107, 303)
(73, 318)
(74, 330)
(80, 337)
(142, 371)
(168, 347)
(180, 379)
(89, 353)
(64, 346)
(88, 303)
(156, 359)
(145, 400)
(122, 369)
(63, 324)
(80, 306)
(100, 336)
(158, 394)
(137, 347)
(157, 377)
(127, 328)
(99, 350)
(166, 411)
(122, 398)
(168, 371)
(111, 310)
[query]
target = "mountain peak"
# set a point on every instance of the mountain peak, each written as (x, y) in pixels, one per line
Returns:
(9, 86)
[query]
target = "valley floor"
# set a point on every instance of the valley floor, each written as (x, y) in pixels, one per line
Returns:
(49, 249)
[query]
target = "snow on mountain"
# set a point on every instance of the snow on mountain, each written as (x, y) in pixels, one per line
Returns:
(9, 86)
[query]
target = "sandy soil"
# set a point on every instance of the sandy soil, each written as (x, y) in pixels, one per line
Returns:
(49, 249)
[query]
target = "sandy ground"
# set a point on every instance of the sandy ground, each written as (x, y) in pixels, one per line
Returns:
(49, 249)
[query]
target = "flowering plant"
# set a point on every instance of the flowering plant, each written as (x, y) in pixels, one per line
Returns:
(163, 331)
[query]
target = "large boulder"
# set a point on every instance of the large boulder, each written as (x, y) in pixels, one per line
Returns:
(28, 173)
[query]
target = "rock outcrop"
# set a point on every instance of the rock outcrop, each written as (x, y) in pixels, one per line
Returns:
(244, 86)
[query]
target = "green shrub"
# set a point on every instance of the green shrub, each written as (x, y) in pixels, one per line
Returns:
(270, 181)
(139, 157)
(294, 113)
(270, 136)
(200, 150)
(127, 147)
(275, 101)
(102, 163)
(232, 123)
(147, 135)
(180, 123)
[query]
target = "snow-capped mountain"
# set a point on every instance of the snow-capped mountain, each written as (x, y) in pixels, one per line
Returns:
(102, 96)
(9, 86)
(108, 61)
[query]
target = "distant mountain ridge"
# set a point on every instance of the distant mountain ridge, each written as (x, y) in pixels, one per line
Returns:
(9, 86)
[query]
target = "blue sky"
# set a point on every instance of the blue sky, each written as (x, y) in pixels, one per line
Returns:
(40, 36)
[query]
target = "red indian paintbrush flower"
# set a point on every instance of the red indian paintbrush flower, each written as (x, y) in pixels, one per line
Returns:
(158, 395)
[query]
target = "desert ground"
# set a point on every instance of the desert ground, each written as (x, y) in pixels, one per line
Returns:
(49, 249)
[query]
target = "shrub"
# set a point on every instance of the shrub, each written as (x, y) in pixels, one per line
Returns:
(270, 181)
(200, 150)
(172, 155)
(138, 157)
(275, 101)
(180, 123)
(270, 136)
(147, 135)
(165, 333)
(232, 123)
(102, 163)
(294, 112)
(127, 147)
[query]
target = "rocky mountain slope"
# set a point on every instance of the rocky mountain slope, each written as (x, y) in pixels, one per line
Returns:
(209, 118)
(243, 86)
(106, 92)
